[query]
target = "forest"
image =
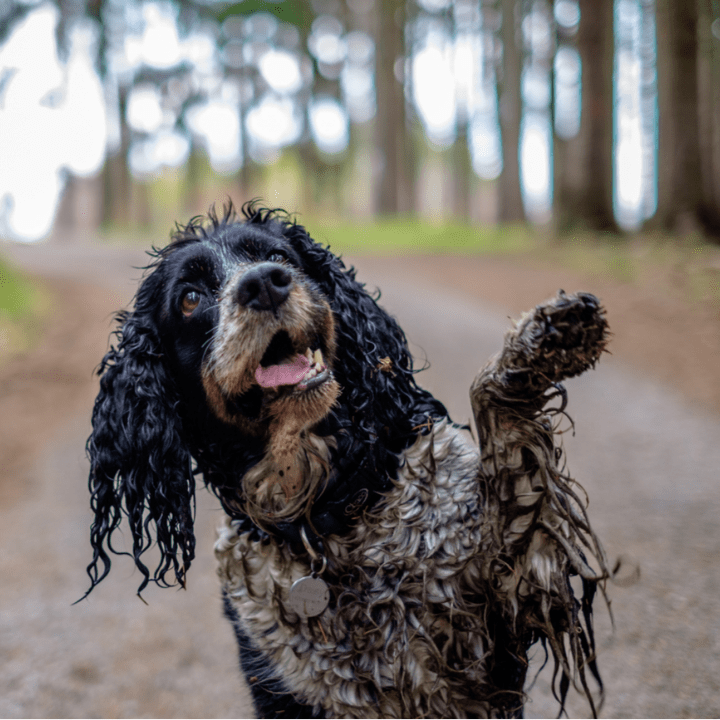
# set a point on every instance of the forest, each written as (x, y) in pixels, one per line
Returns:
(467, 158)
(593, 115)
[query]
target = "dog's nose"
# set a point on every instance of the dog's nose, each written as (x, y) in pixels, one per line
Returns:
(265, 287)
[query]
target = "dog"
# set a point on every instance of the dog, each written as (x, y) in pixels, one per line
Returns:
(374, 561)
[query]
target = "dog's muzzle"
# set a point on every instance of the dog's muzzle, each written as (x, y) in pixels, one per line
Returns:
(276, 339)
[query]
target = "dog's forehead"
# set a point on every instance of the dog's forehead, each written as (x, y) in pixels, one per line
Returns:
(228, 246)
(251, 242)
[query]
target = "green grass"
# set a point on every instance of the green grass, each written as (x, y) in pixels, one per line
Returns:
(594, 254)
(403, 236)
(16, 293)
(22, 307)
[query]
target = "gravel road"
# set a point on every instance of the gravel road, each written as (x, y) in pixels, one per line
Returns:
(649, 461)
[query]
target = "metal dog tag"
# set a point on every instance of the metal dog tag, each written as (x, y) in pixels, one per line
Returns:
(309, 596)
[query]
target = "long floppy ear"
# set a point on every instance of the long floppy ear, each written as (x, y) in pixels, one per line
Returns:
(372, 353)
(140, 465)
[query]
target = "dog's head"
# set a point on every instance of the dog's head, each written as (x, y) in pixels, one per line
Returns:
(247, 338)
(244, 325)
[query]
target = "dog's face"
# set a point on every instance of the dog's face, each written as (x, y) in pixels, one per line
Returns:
(240, 318)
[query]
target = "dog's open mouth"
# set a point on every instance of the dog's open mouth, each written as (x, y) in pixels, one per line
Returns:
(283, 365)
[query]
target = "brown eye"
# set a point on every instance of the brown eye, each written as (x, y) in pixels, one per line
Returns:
(190, 302)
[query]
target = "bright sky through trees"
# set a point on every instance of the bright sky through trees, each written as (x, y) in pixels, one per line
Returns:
(52, 121)
(53, 114)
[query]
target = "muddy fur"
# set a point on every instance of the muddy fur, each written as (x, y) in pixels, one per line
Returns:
(445, 561)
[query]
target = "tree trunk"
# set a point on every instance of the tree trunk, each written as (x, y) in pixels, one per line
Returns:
(679, 164)
(568, 170)
(511, 205)
(562, 186)
(709, 110)
(593, 198)
(394, 187)
(648, 106)
(117, 180)
(462, 174)
(569, 174)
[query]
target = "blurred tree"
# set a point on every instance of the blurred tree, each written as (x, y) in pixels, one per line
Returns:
(709, 113)
(648, 100)
(688, 68)
(117, 180)
(537, 82)
(394, 190)
(567, 156)
(679, 165)
(238, 53)
(510, 196)
(466, 24)
(587, 199)
(462, 173)
(323, 186)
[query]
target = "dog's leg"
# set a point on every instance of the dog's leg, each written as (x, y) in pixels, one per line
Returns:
(535, 532)
(270, 697)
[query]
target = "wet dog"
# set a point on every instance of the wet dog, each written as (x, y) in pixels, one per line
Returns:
(374, 561)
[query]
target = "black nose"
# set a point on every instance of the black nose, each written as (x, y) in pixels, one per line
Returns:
(265, 287)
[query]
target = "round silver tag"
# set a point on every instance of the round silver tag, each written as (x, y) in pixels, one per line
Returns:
(309, 596)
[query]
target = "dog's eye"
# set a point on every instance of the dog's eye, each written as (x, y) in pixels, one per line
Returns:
(277, 256)
(190, 302)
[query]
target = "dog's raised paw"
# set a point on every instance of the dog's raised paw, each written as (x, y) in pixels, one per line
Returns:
(560, 338)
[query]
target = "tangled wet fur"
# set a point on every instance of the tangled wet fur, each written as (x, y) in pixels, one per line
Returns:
(445, 563)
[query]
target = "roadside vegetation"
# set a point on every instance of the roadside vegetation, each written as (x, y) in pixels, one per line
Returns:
(686, 269)
(23, 306)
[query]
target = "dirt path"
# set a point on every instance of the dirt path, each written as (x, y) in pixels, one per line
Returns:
(648, 459)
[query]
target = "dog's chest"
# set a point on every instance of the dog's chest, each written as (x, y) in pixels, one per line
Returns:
(405, 594)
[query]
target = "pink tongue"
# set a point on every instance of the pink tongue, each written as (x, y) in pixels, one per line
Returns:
(287, 373)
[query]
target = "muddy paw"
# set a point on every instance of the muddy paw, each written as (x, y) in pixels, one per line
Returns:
(559, 339)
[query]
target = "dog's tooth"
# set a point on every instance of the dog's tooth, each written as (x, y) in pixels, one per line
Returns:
(310, 374)
(309, 355)
(318, 358)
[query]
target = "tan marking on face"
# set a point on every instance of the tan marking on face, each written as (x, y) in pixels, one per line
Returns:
(240, 341)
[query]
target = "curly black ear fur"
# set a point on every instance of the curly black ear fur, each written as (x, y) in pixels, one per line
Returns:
(140, 465)
(385, 393)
